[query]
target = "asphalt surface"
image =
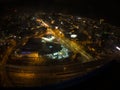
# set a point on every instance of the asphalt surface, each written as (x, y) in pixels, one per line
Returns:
(106, 77)
(36, 76)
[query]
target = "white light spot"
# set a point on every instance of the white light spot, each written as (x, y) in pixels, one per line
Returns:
(14, 36)
(48, 39)
(50, 46)
(52, 22)
(60, 32)
(61, 22)
(73, 36)
(118, 48)
(33, 18)
(84, 21)
(56, 27)
(19, 37)
(55, 54)
(79, 18)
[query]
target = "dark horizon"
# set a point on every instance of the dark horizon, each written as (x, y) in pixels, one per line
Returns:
(93, 8)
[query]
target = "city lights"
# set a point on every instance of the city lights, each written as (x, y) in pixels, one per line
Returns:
(42, 48)
(118, 48)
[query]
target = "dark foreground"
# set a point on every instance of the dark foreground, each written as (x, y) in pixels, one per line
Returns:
(106, 77)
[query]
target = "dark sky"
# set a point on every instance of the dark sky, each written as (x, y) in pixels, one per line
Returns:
(107, 9)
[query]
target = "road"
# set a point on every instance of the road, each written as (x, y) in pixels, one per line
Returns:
(31, 76)
(72, 45)
(8, 52)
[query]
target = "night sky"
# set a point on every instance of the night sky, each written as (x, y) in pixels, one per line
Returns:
(106, 9)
